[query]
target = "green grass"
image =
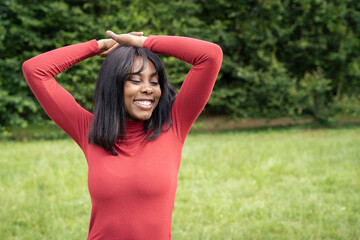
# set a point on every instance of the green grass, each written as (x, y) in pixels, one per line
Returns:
(264, 184)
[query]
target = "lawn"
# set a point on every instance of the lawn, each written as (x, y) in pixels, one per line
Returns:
(266, 184)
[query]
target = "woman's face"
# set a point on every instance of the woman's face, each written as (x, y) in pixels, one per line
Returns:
(141, 91)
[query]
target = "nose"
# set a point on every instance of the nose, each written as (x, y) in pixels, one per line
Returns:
(147, 88)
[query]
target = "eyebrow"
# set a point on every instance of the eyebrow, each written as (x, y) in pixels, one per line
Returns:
(140, 73)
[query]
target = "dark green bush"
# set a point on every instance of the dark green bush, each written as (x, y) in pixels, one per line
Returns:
(273, 51)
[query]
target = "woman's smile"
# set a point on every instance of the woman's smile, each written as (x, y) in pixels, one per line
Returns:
(144, 104)
(142, 91)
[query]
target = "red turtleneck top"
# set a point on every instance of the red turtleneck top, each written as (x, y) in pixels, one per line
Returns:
(132, 194)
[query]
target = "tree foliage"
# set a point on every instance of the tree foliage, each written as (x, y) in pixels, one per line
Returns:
(281, 57)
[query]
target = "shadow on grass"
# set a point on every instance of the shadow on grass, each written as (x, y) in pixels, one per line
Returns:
(306, 126)
(50, 131)
(45, 131)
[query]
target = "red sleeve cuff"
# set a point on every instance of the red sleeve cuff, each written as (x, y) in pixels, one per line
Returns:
(147, 43)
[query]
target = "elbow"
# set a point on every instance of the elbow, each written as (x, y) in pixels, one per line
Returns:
(30, 70)
(26, 65)
(216, 54)
(218, 50)
(211, 55)
(26, 68)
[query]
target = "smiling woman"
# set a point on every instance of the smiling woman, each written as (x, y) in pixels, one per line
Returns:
(131, 86)
(141, 90)
(133, 141)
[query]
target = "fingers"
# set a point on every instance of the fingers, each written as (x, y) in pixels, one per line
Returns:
(110, 34)
(135, 39)
(109, 43)
(105, 53)
(136, 33)
(120, 38)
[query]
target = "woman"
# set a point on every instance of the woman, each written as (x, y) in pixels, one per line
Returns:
(133, 140)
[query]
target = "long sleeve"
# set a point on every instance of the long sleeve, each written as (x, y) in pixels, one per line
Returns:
(61, 107)
(195, 91)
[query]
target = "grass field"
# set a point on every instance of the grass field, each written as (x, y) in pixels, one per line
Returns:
(268, 184)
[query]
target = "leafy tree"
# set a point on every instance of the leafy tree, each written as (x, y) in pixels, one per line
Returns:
(273, 51)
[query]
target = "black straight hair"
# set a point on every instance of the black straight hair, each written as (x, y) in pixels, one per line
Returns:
(109, 120)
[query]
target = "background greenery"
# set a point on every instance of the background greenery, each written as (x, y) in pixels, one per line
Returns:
(269, 184)
(281, 57)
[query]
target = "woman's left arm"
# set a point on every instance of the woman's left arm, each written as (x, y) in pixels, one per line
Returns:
(206, 58)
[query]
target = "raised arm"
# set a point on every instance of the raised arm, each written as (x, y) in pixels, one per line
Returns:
(195, 91)
(61, 107)
(206, 59)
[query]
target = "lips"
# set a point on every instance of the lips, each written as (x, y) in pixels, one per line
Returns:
(144, 104)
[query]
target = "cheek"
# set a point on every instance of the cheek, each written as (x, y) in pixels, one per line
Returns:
(127, 102)
(128, 96)
(130, 90)
(158, 96)
(158, 93)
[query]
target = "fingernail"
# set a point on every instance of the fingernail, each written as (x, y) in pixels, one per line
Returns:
(109, 32)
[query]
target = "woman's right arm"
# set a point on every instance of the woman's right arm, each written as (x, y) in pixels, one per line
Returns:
(61, 107)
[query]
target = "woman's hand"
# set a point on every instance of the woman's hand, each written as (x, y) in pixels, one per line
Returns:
(105, 46)
(135, 39)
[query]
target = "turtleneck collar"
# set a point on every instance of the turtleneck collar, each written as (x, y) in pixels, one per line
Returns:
(134, 131)
(134, 124)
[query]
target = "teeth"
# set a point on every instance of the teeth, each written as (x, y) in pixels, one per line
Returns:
(146, 103)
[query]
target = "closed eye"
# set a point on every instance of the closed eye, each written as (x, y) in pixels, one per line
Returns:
(154, 79)
(134, 80)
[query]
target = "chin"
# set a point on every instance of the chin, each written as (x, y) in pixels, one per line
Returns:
(141, 117)
(144, 118)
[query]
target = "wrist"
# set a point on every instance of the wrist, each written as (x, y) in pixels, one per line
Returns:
(101, 45)
(142, 40)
